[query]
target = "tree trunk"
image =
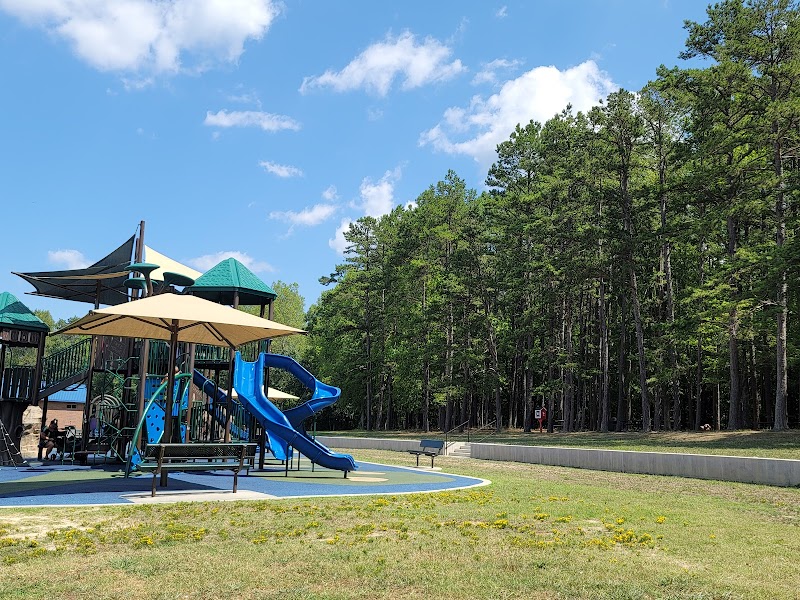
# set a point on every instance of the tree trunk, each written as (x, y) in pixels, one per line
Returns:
(781, 380)
(698, 408)
(426, 368)
(605, 407)
(622, 379)
(637, 318)
(495, 367)
(569, 379)
(733, 333)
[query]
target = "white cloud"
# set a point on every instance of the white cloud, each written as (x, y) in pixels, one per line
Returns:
(377, 198)
(245, 98)
(376, 68)
(250, 118)
(338, 243)
(537, 94)
(502, 13)
(281, 170)
(330, 193)
(135, 84)
(488, 72)
(70, 259)
(308, 217)
(205, 262)
(153, 36)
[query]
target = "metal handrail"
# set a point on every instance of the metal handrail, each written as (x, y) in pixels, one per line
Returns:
(451, 430)
(65, 363)
(486, 426)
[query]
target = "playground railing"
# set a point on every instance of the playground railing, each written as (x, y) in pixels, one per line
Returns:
(218, 354)
(66, 363)
(16, 382)
(208, 422)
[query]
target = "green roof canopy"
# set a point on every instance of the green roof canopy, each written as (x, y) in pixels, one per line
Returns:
(15, 315)
(221, 283)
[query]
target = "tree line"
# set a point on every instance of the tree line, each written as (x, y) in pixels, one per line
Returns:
(630, 267)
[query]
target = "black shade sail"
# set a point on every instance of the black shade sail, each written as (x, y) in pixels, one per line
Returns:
(101, 283)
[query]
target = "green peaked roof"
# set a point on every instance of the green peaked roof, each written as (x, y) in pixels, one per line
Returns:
(221, 282)
(15, 315)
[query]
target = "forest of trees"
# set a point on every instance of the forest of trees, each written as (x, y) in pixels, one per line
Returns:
(633, 267)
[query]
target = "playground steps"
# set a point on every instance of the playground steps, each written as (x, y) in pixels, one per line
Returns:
(63, 384)
(459, 450)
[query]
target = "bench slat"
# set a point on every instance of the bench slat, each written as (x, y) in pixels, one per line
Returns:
(197, 457)
(430, 448)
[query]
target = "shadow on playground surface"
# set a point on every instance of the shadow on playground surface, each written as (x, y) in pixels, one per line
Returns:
(68, 485)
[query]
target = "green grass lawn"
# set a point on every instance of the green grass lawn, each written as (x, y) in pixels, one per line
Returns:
(536, 532)
(770, 444)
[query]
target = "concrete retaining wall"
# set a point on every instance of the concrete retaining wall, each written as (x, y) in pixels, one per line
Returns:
(368, 443)
(766, 471)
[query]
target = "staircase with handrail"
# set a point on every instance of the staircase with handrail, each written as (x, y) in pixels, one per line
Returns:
(66, 367)
(457, 440)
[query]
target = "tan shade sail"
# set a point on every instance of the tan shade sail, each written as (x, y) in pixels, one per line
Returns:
(275, 394)
(180, 318)
(165, 263)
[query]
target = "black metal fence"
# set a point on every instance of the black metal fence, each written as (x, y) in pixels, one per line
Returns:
(66, 363)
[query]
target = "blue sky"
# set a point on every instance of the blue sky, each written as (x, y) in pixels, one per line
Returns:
(259, 129)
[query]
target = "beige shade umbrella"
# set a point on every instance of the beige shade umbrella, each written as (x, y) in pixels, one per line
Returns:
(177, 318)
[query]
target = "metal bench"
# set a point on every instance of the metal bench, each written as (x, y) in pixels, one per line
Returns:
(162, 458)
(428, 448)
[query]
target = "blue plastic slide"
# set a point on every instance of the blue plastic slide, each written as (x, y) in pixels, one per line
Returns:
(248, 381)
(323, 395)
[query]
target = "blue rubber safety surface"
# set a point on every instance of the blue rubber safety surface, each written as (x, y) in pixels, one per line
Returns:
(67, 485)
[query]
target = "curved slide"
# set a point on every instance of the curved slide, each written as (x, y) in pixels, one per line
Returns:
(248, 381)
(323, 395)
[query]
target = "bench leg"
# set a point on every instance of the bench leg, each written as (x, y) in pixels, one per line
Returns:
(153, 492)
(431, 462)
(235, 480)
(417, 459)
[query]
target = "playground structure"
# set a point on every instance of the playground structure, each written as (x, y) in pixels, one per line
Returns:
(20, 331)
(137, 387)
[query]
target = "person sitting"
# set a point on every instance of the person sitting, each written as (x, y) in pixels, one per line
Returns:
(94, 430)
(49, 439)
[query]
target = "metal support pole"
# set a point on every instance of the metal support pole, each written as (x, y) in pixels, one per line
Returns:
(229, 404)
(190, 370)
(173, 348)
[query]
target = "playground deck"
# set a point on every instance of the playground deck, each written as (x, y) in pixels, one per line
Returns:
(67, 485)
